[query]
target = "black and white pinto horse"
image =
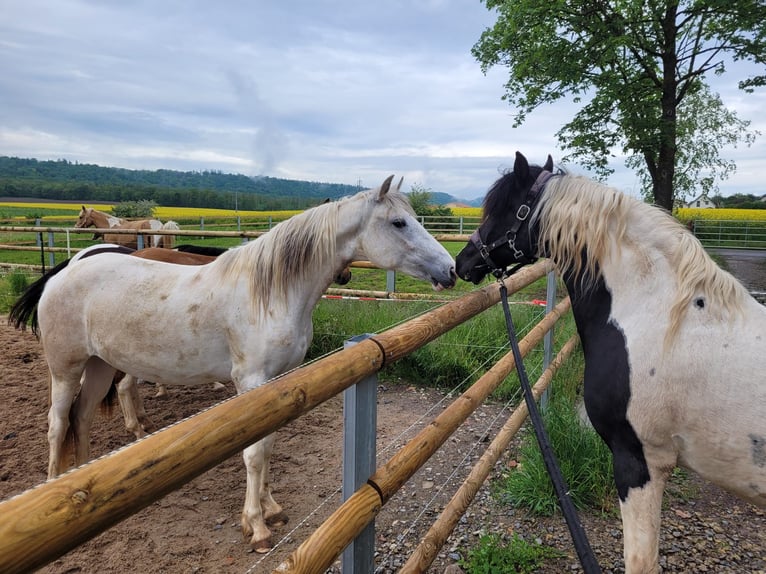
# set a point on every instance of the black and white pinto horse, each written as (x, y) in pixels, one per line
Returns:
(675, 353)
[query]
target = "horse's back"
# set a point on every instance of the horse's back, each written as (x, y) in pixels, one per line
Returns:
(128, 310)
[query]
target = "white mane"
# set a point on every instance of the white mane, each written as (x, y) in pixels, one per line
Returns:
(579, 216)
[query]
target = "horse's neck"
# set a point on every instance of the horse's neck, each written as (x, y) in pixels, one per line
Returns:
(350, 222)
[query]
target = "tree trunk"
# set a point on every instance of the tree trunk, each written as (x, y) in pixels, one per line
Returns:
(666, 157)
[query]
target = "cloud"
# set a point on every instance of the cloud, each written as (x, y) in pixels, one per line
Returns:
(335, 91)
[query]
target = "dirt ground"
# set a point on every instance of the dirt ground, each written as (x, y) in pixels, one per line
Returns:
(196, 529)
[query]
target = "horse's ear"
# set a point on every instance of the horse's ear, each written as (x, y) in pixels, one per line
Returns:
(385, 187)
(401, 181)
(548, 164)
(521, 167)
(83, 208)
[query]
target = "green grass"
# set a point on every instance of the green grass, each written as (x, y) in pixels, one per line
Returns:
(584, 459)
(494, 554)
(455, 359)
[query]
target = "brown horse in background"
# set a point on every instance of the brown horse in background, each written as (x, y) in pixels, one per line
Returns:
(90, 217)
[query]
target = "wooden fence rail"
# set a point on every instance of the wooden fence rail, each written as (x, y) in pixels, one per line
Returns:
(43, 523)
(319, 550)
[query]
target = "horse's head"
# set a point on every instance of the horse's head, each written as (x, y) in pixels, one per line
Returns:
(391, 237)
(85, 219)
(505, 236)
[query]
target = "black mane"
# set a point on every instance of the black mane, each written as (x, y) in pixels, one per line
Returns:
(499, 198)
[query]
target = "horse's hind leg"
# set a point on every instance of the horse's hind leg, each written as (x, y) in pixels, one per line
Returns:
(63, 390)
(136, 419)
(96, 381)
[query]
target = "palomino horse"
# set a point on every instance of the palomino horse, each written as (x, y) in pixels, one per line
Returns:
(245, 317)
(675, 369)
(90, 217)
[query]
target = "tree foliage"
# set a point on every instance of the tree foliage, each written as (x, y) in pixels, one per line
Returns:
(420, 199)
(638, 68)
(64, 180)
(134, 209)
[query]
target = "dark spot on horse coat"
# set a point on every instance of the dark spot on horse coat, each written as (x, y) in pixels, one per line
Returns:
(652, 371)
(700, 303)
(758, 446)
(607, 383)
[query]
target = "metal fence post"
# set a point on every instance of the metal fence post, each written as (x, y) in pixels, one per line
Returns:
(359, 431)
(550, 303)
(51, 254)
(390, 281)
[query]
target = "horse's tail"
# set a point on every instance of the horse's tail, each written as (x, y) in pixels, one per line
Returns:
(167, 240)
(24, 310)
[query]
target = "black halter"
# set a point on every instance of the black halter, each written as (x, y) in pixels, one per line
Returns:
(522, 213)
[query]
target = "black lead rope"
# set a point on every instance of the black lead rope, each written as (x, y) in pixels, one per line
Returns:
(582, 546)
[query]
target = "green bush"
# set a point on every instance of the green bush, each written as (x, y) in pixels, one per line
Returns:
(492, 555)
(133, 209)
(17, 282)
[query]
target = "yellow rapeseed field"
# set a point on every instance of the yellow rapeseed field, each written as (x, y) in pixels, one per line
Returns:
(686, 214)
(466, 211)
(160, 212)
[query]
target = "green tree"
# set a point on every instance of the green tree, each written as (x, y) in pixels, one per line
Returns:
(420, 200)
(141, 208)
(632, 63)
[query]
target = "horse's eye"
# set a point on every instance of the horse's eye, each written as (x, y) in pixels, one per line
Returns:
(399, 223)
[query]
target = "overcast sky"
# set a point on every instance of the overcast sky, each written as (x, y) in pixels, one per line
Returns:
(341, 91)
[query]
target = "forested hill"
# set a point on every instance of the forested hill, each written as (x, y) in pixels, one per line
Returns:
(64, 180)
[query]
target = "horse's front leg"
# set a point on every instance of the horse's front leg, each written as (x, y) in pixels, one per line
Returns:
(253, 519)
(640, 510)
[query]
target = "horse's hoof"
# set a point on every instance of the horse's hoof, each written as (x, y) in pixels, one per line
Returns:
(161, 395)
(278, 519)
(262, 546)
(219, 386)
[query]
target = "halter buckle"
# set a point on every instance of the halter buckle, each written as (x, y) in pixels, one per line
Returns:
(523, 212)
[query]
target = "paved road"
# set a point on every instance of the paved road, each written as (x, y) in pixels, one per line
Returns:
(747, 265)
